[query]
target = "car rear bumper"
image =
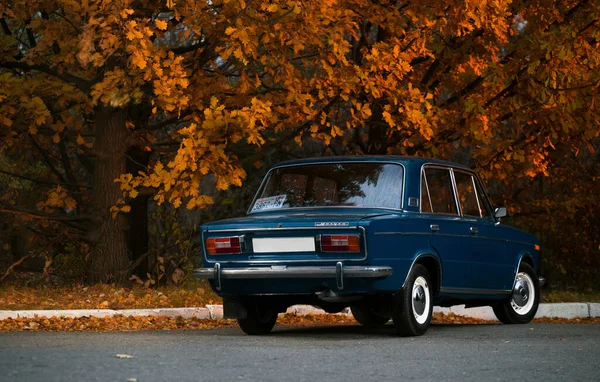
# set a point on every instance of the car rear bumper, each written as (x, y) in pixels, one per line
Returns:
(339, 272)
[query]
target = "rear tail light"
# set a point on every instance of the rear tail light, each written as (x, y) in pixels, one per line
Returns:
(340, 243)
(225, 245)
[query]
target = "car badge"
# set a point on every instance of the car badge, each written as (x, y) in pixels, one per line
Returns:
(332, 224)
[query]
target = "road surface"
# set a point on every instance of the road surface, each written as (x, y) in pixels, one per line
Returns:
(348, 353)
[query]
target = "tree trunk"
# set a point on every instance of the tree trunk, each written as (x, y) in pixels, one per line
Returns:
(137, 235)
(108, 256)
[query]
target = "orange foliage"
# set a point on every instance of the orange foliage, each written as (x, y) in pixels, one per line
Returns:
(130, 323)
(509, 87)
(103, 296)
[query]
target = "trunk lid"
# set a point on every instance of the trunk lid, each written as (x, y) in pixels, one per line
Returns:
(289, 237)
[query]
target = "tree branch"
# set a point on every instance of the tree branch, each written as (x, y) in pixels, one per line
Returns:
(189, 48)
(166, 122)
(39, 181)
(47, 160)
(81, 84)
(464, 91)
(66, 162)
(40, 215)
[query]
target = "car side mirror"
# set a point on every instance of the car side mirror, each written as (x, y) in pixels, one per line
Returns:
(500, 212)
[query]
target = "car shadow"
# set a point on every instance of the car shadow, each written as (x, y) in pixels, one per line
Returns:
(353, 331)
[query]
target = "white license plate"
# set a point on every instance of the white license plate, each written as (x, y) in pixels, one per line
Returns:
(284, 244)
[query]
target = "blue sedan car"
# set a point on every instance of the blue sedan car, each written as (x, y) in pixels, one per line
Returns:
(389, 237)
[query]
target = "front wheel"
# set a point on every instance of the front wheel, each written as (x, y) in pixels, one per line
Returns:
(413, 306)
(260, 320)
(524, 301)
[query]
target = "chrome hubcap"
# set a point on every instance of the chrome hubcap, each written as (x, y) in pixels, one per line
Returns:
(523, 294)
(420, 300)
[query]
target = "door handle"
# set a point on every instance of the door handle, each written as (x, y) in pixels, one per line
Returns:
(474, 230)
(434, 227)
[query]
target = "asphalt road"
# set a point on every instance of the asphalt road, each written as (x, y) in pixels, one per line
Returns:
(349, 353)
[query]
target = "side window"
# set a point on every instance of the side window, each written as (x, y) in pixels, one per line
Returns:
(467, 196)
(441, 191)
(486, 207)
(425, 200)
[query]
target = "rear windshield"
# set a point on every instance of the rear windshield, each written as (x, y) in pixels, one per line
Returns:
(332, 185)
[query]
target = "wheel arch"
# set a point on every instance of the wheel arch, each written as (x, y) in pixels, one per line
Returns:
(433, 265)
(527, 259)
(524, 258)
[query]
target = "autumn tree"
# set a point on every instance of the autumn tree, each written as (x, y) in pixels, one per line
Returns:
(160, 95)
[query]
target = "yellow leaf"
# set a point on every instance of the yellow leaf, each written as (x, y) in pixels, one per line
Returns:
(126, 12)
(70, 203)
(161, 24)
(55, 138)
(80, 140)
(126, 208)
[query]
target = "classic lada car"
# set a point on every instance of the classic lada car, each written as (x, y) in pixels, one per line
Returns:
(389, 237)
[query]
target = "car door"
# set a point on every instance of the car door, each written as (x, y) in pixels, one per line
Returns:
(490, 263)
(449, 233)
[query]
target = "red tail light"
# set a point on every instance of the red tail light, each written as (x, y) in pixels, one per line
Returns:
(340, 243)
(225, 245)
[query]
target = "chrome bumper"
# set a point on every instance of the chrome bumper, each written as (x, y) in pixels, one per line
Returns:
(339, 271)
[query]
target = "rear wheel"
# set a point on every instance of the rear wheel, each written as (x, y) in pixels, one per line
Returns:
(368, 316)
(524, 301)
(260, 320)
(413, 305)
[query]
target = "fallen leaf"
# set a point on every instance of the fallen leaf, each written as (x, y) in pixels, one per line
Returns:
(124, 356)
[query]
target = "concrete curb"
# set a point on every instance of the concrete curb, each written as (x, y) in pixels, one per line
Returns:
(555, 310)
(550, 310)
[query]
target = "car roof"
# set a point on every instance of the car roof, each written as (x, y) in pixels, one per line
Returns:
(409, 160)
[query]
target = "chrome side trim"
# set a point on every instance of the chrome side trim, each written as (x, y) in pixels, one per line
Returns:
(328, 207)
(453, 235)
(477, 196)
(474, 291)
(403, 233)
(455, 192)
(307, 272)
(428, 193)
(271, 229)
(251, 261)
